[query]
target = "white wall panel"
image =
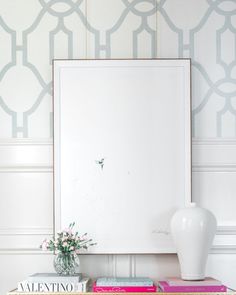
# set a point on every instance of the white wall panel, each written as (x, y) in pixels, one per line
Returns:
(26, 201)
(25, 153)
(123, 265)
(96, 265)
(214, 168)
(213, 151)
(23, 239)
(17, 267)
(222, 267)
(216, 191)
(156, 266)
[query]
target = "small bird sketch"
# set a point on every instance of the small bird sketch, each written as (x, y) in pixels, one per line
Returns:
(100, 163)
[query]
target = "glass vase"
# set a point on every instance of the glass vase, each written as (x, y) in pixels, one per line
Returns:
(66, 263)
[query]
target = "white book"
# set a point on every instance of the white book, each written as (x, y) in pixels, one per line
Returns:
(26, 286)
(54, 278)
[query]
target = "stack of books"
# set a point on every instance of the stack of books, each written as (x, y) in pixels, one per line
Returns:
(176, 285)
(120, 284)
(52, 282)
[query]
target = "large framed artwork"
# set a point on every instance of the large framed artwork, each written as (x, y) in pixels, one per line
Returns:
(122, 150)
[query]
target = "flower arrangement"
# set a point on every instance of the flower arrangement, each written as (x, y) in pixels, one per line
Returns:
(67, 246)
(67, 242)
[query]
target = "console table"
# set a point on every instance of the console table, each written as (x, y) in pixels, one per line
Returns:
(15, 292)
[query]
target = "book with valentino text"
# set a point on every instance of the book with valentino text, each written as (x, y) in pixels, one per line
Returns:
(53, 287)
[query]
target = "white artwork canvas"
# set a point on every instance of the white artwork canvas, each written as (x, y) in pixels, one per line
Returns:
(122, 150)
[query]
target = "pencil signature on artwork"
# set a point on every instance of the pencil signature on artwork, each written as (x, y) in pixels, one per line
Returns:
(161, 231)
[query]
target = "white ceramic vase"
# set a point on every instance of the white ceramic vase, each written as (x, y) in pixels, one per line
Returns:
(193, 229)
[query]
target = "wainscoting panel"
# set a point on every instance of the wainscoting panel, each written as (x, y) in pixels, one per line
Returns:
(213, 152)
(26, 153)
(16, 268)
(214, 172)
(214, 186)
(28, 202)
(156, 266)
(215, 190)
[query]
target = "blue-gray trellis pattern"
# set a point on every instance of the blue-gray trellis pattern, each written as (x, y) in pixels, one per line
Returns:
(68, 25)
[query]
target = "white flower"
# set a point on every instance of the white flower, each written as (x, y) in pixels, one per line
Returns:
(45, 245)
(67, 231)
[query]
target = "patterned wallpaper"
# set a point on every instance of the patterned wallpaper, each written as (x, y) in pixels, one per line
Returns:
(33, 32)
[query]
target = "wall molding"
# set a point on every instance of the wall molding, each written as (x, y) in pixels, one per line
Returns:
(26, 155)
(132, 265)
(223, 249)
(214, 167)
(226, 230)
(24, 251)
(26, 141)
(30, 236)
(213, 141)
(49, 141)
(26, 231)
(36, 168)
(114, 265)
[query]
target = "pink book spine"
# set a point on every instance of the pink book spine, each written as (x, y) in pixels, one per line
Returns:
(117, 289)
(178, 289)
